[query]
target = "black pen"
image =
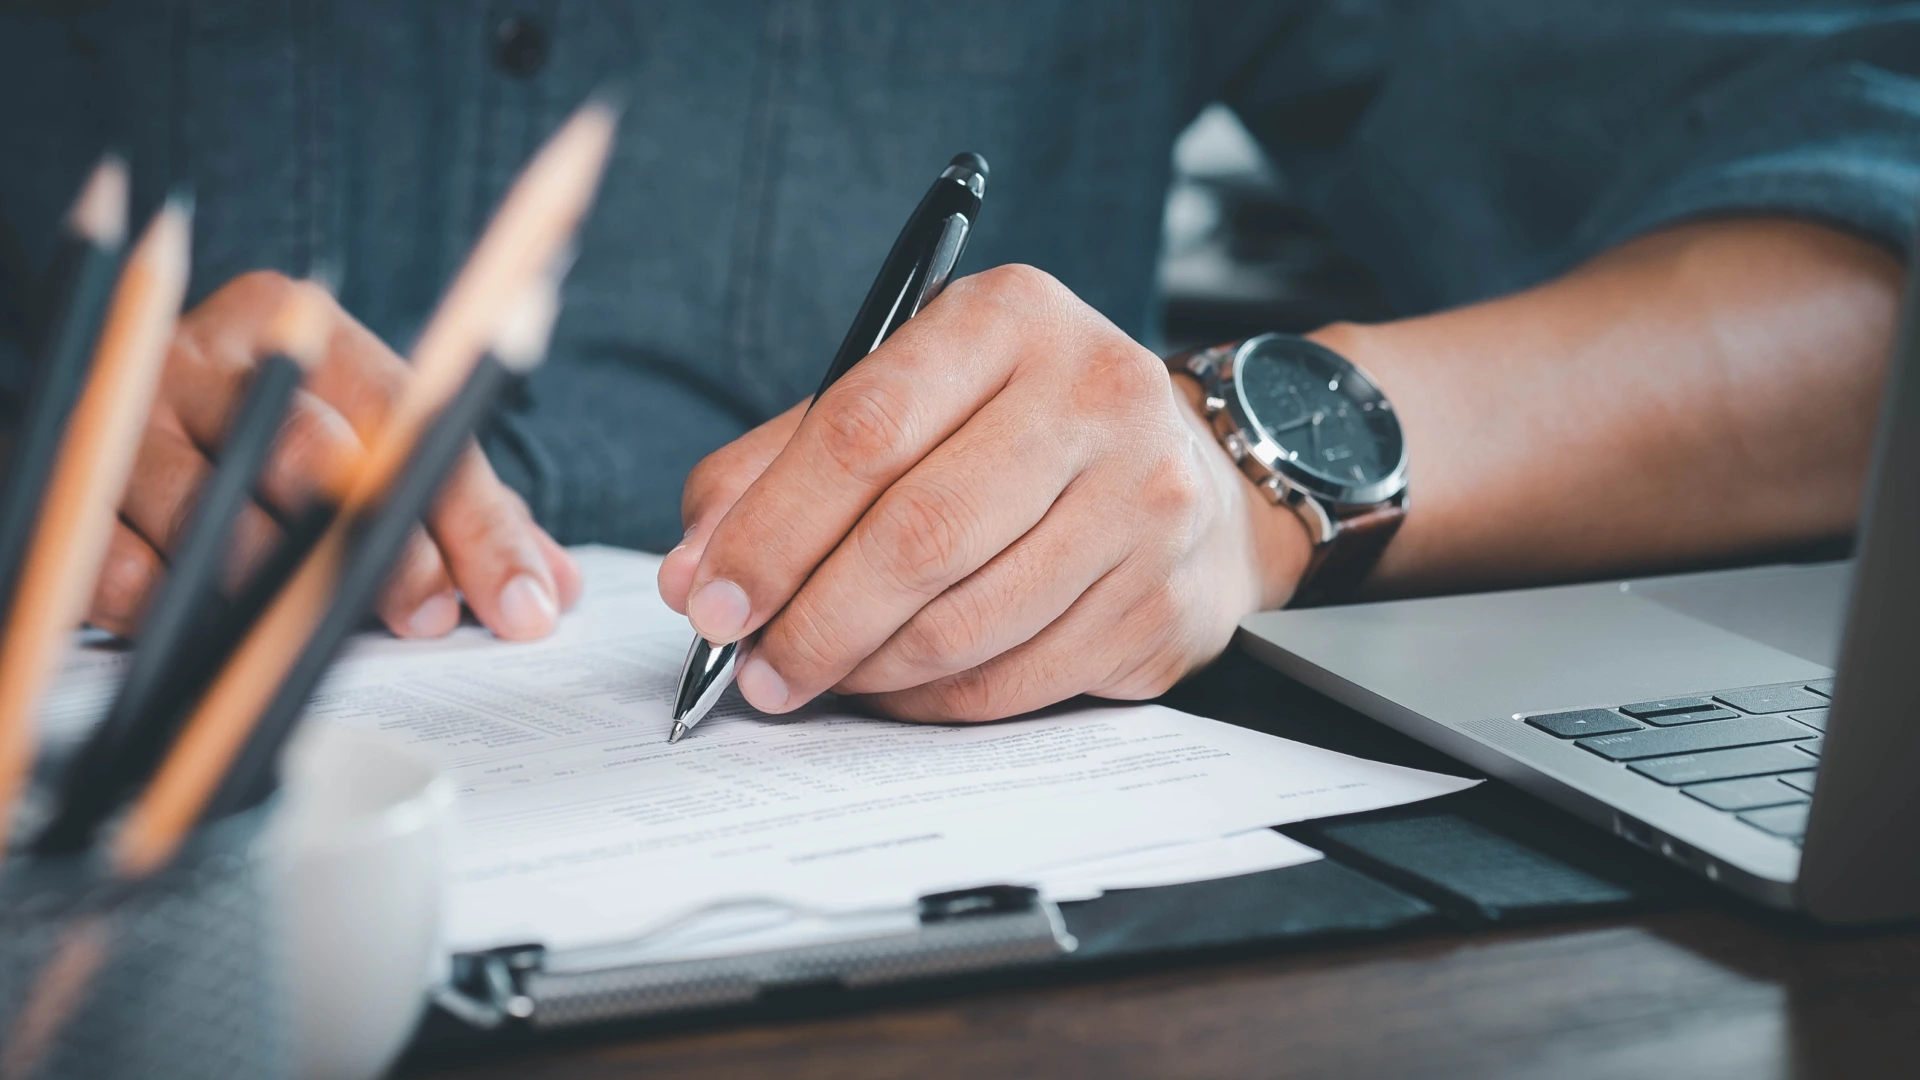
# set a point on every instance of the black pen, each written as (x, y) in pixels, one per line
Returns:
(915, 271)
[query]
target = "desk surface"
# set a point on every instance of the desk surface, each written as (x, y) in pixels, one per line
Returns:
(1707, 988)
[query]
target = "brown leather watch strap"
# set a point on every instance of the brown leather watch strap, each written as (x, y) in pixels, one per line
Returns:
(1338, 566)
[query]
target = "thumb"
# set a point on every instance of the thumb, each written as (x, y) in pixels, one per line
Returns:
(712, 488)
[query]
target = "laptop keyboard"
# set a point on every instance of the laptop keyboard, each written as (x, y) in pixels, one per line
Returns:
(1752, 752)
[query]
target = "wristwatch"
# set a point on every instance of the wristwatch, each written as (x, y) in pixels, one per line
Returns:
(1315, 435)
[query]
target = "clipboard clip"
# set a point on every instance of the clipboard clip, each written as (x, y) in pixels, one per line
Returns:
(958, 932)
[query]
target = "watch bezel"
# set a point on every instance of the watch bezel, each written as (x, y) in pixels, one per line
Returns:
(1276, 459)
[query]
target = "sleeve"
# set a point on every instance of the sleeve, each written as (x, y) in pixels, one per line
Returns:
(1819, 125)
(1475, 147)
(600, 445)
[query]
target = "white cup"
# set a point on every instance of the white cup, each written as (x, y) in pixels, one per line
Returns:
(359, 846)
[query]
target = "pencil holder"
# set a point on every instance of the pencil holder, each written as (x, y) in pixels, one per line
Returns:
(172, 976)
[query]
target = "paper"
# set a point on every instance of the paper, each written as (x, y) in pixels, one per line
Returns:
(1176, 864)
(581, 828)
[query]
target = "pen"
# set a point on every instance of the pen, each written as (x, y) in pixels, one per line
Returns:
(916, 269)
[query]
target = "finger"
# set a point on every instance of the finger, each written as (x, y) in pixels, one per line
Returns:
(221, 342)
(866, 432)
(566, 572)
(167, 477)
(1085, 650)
(313, 453)
(128, 577)
(972, 497)
(1019, 593)
(712, 489)
(492, 548)
(164, 493)
(418, 600)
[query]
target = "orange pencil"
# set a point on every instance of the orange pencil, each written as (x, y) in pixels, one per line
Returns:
(532, 227)
(83, 494)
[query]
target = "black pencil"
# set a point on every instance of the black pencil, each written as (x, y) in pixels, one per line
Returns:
(378, 537)
(174, 659)
(79, 285)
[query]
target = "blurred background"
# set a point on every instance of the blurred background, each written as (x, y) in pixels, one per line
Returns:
(1240, 255)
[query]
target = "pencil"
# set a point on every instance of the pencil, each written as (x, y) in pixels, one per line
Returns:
(175, 657)
(534, 223)
(84, 488)
(79, 283)
(378, 537)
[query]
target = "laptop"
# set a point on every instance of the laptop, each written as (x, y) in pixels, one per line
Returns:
(1759, 727)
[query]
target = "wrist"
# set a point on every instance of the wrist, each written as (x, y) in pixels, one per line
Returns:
(1277, 540)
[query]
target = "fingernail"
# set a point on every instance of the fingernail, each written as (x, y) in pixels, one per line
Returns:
(438, 616)
(762, 686)
(526, 608)
(719, 610)
(689, 532)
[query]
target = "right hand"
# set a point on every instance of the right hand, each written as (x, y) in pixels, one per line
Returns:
(478, 538)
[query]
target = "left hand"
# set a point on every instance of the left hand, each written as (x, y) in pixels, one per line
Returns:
(1007, 504)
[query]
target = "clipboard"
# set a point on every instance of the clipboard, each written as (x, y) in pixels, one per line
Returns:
(954, 933)
(1488, 856)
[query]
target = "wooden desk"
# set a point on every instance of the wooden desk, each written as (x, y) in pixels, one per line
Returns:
(1710, 988)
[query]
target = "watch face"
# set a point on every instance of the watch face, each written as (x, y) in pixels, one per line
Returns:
(1327, 418)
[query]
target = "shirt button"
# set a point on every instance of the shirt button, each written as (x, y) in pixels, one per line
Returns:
(519, 46)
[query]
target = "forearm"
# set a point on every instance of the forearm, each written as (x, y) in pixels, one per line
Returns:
(1702, 392)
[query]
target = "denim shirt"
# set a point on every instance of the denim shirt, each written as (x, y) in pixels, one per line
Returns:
(771, 148)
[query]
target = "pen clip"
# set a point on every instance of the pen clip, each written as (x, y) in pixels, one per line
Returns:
(946, 252)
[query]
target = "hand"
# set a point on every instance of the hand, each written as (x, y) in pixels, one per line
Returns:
(478, 538)
(1007, 504)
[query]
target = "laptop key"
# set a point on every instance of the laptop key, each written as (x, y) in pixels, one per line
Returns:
(1813, 718)
(1750, 793)
(1581, 722)
(1812, 746)
(1823, 687)
(1770, 699)
(1787, 822)
(1722, 765)
(1673, 719)
(1693, 738)
(1800, 781)
(1646, 709)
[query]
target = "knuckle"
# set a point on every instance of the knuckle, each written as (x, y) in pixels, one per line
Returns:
(969, 695)
(861, 424)
(315, 444)
(257, 285)
(803, 640)
(1171, 490)
(919, 537)
(948, 630)
(1017, 281)
(121, 591)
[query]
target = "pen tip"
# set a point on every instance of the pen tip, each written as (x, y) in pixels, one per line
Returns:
(679, 732)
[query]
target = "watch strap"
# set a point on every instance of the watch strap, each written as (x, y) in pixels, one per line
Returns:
(1336, 568)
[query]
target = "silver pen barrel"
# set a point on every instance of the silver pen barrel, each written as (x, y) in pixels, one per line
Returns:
(705, 675)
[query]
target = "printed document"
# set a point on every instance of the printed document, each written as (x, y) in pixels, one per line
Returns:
(582, 828)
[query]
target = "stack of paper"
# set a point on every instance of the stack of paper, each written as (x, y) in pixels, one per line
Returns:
(581, 828)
